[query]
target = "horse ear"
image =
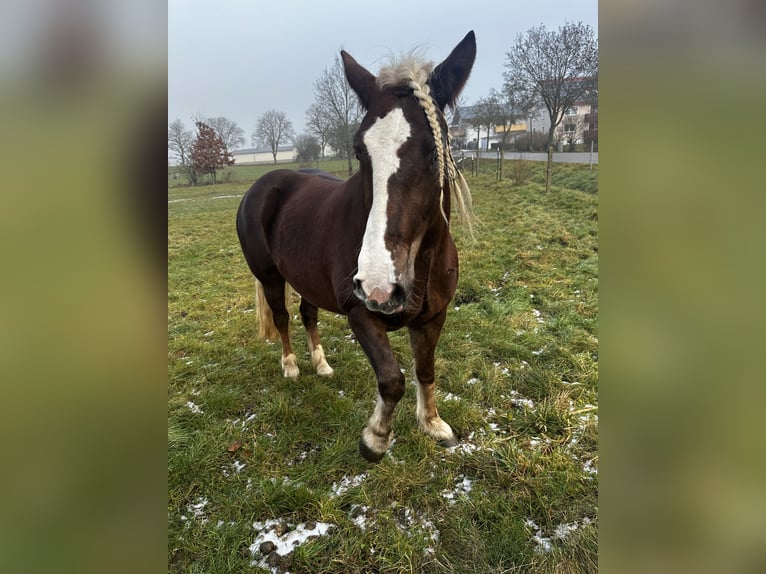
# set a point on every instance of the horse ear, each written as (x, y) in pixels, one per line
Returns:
(449, 77)
(360, 80)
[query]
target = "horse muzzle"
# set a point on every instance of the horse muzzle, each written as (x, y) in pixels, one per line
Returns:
(387, 301)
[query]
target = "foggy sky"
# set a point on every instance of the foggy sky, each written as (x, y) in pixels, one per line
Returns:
(241, 58)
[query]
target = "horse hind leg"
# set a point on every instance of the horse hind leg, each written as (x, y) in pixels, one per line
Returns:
(274, 296)
(309, 317)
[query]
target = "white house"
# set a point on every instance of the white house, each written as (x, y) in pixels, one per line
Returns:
(285, 153)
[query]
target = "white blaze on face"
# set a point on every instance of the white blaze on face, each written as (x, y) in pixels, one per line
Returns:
(383, 140)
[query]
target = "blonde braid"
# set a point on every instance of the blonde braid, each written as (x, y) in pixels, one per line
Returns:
(454, 179)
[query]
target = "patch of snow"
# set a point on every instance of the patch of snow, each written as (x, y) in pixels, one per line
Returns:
(410, 522)
(463, 448)
(194, 408)
(347, 483)
(462, 487)
(451, 397)
(197, 510)
(560, 532)
(285, 542)
(522, 402)
(358, 515)
(564, 530)
(472, 381)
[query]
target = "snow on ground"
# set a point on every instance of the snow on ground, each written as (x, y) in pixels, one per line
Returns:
(277, 539)
(407, 520)
(194, 408)
(544, 544)
(196, 510)
(347, 483)
(463, 486)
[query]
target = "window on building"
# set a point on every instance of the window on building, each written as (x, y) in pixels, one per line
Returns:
(569, 127)
(571, 111)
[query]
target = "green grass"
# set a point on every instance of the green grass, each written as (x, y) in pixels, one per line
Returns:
(249, 173)
(517, 369)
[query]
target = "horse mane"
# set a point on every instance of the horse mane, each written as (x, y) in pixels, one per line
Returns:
(403, 69)
(413, 71)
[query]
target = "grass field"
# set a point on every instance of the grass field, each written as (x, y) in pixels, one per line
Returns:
(257, 462)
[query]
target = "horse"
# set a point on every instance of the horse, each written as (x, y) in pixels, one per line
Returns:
(376, 247)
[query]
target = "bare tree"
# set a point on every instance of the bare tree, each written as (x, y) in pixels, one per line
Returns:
(230, 133)
(320, 125)
(308, 148)
(504, 108)
(180, 141)
(486, 112)
(273, 129)
(451, 111)
(336, 101)
(561, 66)
(570, 130)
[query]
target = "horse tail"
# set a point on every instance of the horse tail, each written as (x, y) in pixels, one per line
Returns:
(266, 328)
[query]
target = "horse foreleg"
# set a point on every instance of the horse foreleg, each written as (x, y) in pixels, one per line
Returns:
(423, 343)
(371, 334)
(309, 316)
(276, 297)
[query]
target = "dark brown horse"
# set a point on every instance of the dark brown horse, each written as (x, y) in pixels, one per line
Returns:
(376, 247)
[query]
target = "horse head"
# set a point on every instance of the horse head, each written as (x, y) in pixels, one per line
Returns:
(405, 164)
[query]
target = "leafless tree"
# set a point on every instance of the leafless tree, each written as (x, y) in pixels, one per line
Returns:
(450, 112)
(320, 125)
(570, 130)
(273, 129)
(504, 109)
(335, 100)
(230, 133)
(307, 147)
(561, 66)
(180, 141)
(486, 112)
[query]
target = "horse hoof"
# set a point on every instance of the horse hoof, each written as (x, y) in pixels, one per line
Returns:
(290, 366)
(324, 370)
(448, 442)
(368, 454)
(320, 362)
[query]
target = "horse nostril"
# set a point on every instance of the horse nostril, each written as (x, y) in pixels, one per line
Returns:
(398, 297)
